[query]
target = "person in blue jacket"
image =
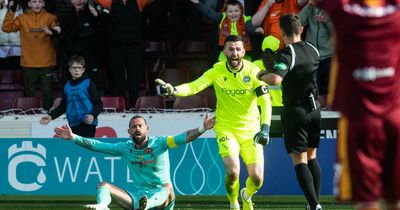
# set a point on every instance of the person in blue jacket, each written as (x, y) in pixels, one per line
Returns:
(81, 101)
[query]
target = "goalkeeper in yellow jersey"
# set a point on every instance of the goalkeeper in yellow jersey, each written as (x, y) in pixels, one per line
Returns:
(243, 116)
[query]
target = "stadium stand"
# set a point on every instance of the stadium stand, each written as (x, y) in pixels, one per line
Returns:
(189, 102)
(115, 104)
(8, 97)
(155, 56)
(152, 102)
(27, 105)
(174, 76)
(209, 96)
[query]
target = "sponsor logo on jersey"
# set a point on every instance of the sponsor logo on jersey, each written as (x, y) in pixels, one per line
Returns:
(236, 92)
(222, 139)
(246, 79)
(148, 150)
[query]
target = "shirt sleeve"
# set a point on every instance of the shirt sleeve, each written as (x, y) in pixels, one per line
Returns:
(95, 99)
(175, 141)
(208, 12)
(303, 14)
(330, 6)
(263, 102)
(282, 63)
(10, 24)
(196, 86)
(98, 146)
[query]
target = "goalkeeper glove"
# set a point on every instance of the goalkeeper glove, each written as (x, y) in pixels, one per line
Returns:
(165, 89)
(262, 137)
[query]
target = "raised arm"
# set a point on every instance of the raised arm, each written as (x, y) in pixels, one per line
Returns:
(258, 18)
(207, 11)
(66, 133)
(11, 24)
(192, 134)
(186, 89)
(208, 124)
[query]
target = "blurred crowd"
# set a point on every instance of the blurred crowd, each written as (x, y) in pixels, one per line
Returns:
(126, 44)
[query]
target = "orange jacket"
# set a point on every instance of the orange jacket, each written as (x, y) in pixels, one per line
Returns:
(37, 47)
(271, 20)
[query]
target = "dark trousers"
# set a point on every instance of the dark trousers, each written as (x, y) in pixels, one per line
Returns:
(84, 130)
(45, 75)
(323, 75)
(125, 62)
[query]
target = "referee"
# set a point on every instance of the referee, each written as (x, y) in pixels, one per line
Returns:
(296, 67)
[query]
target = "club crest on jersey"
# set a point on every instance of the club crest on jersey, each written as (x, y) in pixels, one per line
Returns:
(246, 79)
(148, 150)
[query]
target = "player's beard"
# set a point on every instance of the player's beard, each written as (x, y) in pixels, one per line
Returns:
(234, 64)
(138, 139)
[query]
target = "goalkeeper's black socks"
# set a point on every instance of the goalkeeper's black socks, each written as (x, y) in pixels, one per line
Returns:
(315, 170)
(305, 180)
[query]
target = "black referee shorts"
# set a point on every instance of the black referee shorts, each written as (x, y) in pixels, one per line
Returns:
(301, 128)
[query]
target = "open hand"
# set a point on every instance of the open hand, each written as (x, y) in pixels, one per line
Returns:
(64, 132)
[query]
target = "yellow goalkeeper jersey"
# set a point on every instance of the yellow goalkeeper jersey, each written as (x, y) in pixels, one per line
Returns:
(238, 94)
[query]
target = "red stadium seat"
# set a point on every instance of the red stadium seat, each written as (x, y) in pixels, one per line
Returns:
(115, 103)
(193, 50)
(8, 97)
(174, 76)
(189, 102)
(154, 102)
(28, 105)
(10, 76)
(210, 98)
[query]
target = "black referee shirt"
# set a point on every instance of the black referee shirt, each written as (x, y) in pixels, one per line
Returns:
(297, 64)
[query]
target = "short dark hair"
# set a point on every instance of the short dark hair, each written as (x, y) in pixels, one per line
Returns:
(76, 59)
(233, 3)
(290, 24)
(136, 117)
(232, 38)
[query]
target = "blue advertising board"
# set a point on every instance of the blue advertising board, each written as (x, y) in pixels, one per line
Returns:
(45, 166)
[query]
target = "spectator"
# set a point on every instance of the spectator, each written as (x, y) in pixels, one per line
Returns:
(231, 22)
(318, 27)
(269, 12)
(10, 49)
(125, 49)
(81, 101)
(38, 55)
(79, 37)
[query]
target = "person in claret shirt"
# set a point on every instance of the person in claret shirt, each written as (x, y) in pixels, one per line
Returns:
(364, 87)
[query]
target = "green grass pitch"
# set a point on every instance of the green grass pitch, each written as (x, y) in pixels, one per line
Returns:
(8, 202)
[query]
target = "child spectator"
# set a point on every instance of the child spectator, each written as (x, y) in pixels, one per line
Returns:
(38, 54)
(231, 22)
(81, 101)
